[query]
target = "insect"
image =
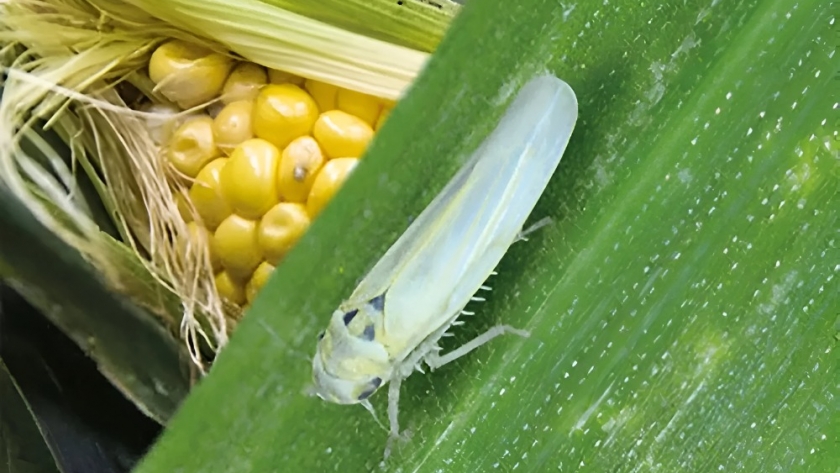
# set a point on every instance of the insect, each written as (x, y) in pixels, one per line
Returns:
(393, 320)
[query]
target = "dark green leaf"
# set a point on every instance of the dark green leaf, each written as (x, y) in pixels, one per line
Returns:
(88, 425)
(134, 351)
(22, 448)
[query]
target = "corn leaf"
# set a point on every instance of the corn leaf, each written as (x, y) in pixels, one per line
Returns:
(683, 305)
(54, 397)
(132, 349)
(22, 448)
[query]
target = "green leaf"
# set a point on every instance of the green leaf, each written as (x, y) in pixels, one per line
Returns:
(22, 448)
(84, 421)
(682, 306)
(133, 350)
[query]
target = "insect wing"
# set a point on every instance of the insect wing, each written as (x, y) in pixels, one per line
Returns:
(471, 232)
(377, 281)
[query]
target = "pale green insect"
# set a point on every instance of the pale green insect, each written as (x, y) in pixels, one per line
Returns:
(394, 319)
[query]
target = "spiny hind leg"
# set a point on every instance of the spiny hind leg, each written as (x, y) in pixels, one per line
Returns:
(435, 360)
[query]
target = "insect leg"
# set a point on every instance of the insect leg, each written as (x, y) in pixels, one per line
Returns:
(393, 413)
(434, 360)
(401, 372)
(523, 235)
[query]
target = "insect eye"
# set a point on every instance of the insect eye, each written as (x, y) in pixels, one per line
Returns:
(321, 335)
(374, 385)
(378, 303)
(369, 333)
(348, 317)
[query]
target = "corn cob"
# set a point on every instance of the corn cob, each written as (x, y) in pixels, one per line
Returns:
(208, 99)
(261, 158)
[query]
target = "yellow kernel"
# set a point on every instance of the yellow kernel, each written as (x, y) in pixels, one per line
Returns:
(192, 146)
(235, 243)
(382, 117)
(282, 113)
(249, 180)
(323, 93)
(300, 163)
(199, 238)
(188, 74)
(341, 134)
(257, 281)
(280, 229)
(283, 77)
(206, 195)
(244, 82)
(361, 105)
(232, 125)
(230, 289)
(327, 183)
